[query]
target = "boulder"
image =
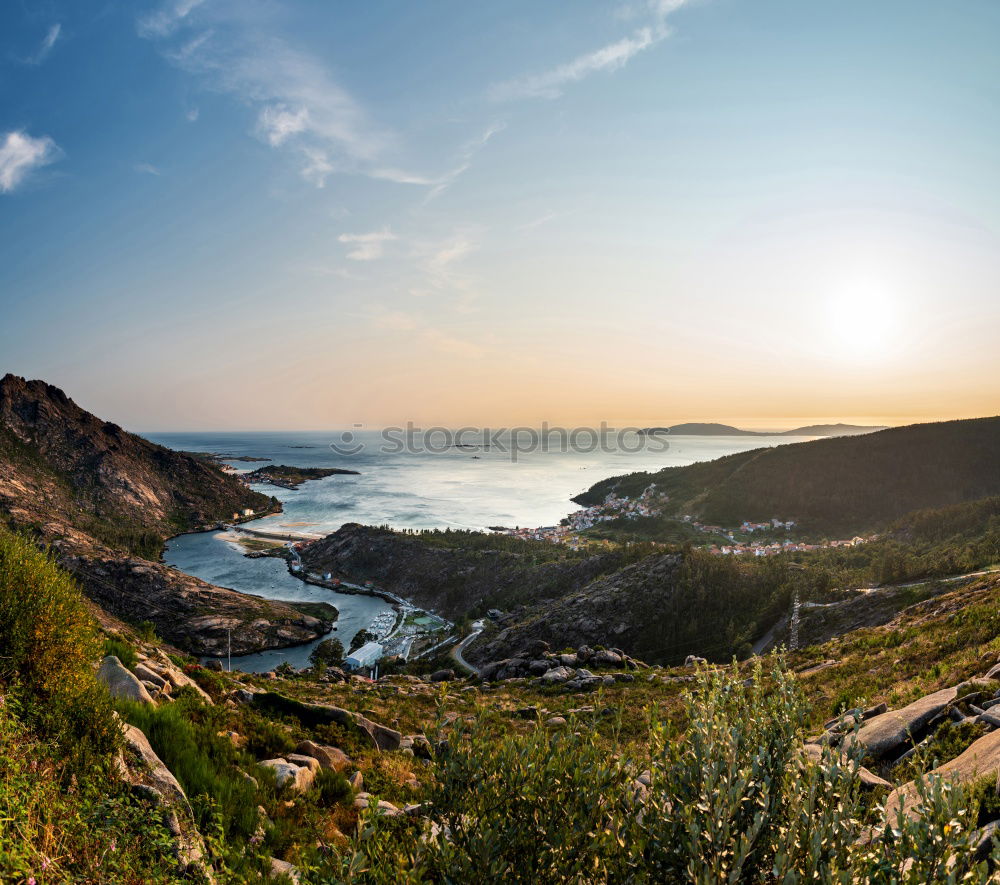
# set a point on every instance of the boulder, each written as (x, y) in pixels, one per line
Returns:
(331, 758)
(142, 768)
(694, 661)
(569, 660)
(987, 835)
(443, 676)
(214, 665)
(555, 722)
(993, 672)
(606, 658)
(557, 675)
(121, 682)
(288, 775)
(357, 781)
(175, 676)
(539, 667)
(980, 760)
(381, 736)
(145, 674)
(421, 747)
(284, 868)
(885, 734)
(304, 761)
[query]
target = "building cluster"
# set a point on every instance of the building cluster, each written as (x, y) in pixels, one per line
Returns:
(786, 546)
(750, 527)
(649, 503)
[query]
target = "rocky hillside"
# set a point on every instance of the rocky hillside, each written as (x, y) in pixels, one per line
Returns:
(58, 461)
(107, 499)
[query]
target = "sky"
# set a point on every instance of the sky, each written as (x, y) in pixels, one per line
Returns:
(291, 214)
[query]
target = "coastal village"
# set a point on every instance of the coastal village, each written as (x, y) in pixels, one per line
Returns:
(651, 504)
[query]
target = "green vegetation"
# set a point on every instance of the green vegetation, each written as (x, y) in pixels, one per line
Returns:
(734, 801)
(840, 486)
(92, 833)
(121, 649)
(49, 644)
(328, 653)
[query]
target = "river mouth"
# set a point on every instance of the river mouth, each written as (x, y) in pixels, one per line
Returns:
(206, 555)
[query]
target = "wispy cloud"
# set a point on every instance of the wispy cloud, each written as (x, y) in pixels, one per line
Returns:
(164, 21)
(234, 49)
(466, 154)
(552, 83)
(46, 46)
(369, 246)
(147, 169)
(20, 155)
(538, 222)
(441, 263)
(192, 115)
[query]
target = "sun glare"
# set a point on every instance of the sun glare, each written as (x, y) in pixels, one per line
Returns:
(863, 322)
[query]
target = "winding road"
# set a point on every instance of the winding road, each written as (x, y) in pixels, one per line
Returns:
(456, 652)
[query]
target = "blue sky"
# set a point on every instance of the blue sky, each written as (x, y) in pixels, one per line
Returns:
(251, 213)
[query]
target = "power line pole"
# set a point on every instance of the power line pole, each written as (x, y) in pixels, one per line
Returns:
(229, 653)
(793, 639)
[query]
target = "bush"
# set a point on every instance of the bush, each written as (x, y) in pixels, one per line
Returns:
(95, 833)
(265, 738)
(122, 650)
(328, 653)
(733, 799)
(49, 643)
(204, 763)
(331, 787)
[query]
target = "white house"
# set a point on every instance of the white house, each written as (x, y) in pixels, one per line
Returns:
(365, 657)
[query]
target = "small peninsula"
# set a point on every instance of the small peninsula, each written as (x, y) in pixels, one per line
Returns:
(292, 477)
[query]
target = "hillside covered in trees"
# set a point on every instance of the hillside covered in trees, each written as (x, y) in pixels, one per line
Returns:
(831, 486)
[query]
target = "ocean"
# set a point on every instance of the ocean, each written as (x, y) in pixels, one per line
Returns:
(473, 486)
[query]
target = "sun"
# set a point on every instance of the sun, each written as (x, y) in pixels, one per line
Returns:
(863, 321)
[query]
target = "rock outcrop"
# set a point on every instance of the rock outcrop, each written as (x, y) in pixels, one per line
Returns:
(122, 683)
(142, 768)
(888, 733)
(980, 760)
(380, 736)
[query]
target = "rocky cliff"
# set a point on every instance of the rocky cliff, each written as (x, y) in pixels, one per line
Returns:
(106, 500)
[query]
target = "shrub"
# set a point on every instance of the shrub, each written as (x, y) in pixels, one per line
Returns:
(733, 799)
(204, 763)
(95, 833)
(331, 787)
(49, 643)
(120, 649)
(265, 738)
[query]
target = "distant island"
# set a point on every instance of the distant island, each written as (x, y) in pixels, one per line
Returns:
(710, 429)
(218, 457)
(292, 477)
